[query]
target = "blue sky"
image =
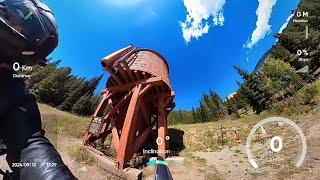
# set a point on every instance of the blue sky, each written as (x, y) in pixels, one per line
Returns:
(90, 30)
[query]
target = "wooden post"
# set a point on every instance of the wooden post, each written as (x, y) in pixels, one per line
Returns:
(115, 135)
(128, 130)
(162, 129)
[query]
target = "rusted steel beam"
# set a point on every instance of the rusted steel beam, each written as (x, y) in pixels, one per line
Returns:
(115, 135)
(109, 60)
(143, 137)
(124, 76)
(126, 87)
(128, 129)
(101, 136)
(86, 138)
(145, 113)
(116, 78)
(121, 116)
(102, 105)
(118, 105)
(111, 82)
(127, 68)
(162, 131)
(129, 54)
(137, 73)
(145, 89)
(165, 95)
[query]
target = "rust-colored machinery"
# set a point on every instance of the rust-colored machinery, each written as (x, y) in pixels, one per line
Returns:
(137, 100)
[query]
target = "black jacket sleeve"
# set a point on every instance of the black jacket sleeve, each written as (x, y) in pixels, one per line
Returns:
(30, 155)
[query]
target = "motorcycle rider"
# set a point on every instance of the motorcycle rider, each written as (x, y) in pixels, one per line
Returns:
(28, 34)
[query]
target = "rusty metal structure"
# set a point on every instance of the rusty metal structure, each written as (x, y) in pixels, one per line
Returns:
(137, 100)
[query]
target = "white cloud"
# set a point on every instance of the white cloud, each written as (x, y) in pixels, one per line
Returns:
(285, 24)
(262, 25)
(199, 14)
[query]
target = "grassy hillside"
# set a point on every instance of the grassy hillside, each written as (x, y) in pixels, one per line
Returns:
(230, 132)
(205, 136)
(201, 137)
(224, 138)
(63, 123)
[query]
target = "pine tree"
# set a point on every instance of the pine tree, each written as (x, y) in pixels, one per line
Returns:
(94, 102)
(75, 92)
(196, 115)
(92, 85)
(52, 89)
(83, 106)
(38, 75)
(243, 73)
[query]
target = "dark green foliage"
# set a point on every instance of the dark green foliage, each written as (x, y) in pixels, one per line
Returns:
(91, 85)
(280, 52)
(77, 87)
(196, 114)
(211, 108)
(303, 101)
(257, 92)
(83, 106)
(243, 73)
(39, 74)
(276, 81)
(293, 39)
(236, 102)
(180, 117)
(59, 88)
(52, 90)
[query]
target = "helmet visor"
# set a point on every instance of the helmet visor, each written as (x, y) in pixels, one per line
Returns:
(23, 17)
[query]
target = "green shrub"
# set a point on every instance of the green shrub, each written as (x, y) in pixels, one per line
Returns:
(276, 81)
(301, 102)
(310, 94)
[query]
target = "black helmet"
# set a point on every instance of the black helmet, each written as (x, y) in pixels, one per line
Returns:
(28, 33)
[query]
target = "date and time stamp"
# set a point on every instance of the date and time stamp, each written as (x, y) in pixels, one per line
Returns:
(32, 165)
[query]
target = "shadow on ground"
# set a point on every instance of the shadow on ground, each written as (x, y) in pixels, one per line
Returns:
(176, 144)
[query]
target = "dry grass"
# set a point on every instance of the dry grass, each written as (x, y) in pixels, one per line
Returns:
(80, 154)
(208, 136)
(65, 130)
(63, 123)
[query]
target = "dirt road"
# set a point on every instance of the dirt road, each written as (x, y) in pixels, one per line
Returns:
(232, 163)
